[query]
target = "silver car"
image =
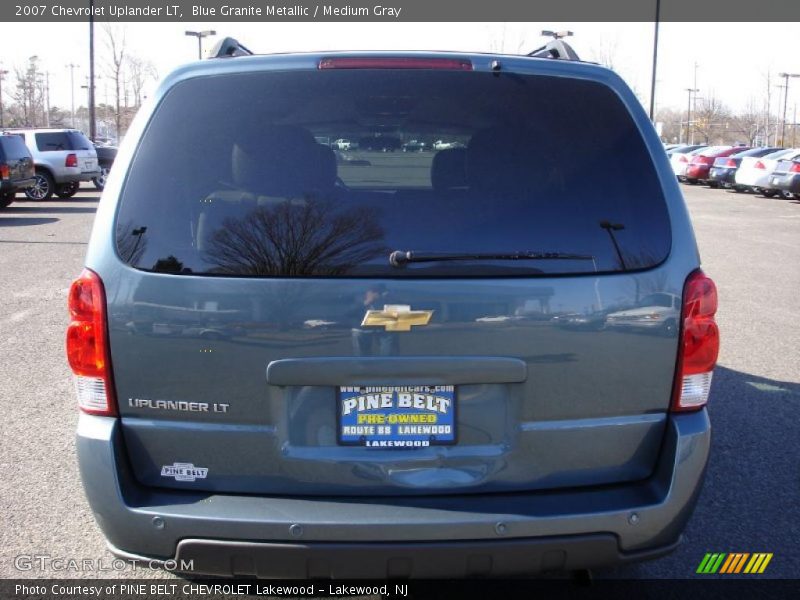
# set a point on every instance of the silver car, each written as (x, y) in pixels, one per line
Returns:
(63, 158)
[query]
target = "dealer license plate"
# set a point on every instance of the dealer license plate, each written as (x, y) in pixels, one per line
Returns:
(407, 416)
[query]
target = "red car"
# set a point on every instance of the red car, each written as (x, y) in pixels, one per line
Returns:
(698, 169)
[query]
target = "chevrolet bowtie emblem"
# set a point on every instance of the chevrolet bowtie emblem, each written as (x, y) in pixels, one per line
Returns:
(396, 317)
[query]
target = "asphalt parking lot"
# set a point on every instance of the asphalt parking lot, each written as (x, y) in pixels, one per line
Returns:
(751, 501)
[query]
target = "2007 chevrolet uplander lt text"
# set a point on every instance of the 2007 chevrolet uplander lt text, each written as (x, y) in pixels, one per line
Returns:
(294, 360)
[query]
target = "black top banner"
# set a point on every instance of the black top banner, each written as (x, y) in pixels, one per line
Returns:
(402, 10)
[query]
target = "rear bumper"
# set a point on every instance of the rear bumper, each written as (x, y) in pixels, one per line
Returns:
(695, 173)
(400, 560)
(786, 183)
(722, 175)
(430, 536)
(74, 177)
(15, 185)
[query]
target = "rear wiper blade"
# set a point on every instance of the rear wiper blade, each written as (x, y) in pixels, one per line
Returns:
(400, 258)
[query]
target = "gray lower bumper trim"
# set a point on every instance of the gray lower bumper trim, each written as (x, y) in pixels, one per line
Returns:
(480, 558)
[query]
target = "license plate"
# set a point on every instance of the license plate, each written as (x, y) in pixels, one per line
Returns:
(88, 165)
(775, 181)
(408, 416)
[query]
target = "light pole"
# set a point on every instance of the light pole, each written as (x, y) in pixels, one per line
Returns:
(72, 68)
(655, 63)
(200, 35)
(785, 101)
(2, 73)
(689, 112)
(89, 94)
(90, 85)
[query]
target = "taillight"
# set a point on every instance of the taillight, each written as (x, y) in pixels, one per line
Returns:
(72, 160)
(730, 163)
(394, 62)
(759, 165)
(87, 345)
(795, 168)
(682, 158)
(698, 346)
(5, 172)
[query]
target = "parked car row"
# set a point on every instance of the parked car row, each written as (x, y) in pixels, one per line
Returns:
(43, 162)
(385, 143)
(767, 170)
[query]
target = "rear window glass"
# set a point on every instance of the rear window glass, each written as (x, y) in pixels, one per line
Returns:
(328, 173)
(753, 152)
(13, 147)
(56, 141)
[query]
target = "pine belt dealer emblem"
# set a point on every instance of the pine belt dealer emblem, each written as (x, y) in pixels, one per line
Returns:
(396, 317)
(184, 471)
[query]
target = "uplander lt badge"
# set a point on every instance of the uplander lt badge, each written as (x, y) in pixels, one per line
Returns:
(184, 471)
(179, 405)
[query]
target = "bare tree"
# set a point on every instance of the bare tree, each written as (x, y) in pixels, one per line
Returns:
(673, 121)
(287, 239)
(505, 44)
(116, 59)
(709, 116)
(605, 53)
(140, 71)
(30, 92)
(748, 123)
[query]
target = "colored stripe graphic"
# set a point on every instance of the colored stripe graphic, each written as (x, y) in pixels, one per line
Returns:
(741, 562)
(711, 562)
(734, 562)
(726, 566)
(765, 563)
(703, 563)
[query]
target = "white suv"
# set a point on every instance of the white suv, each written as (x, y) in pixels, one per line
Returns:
(63, 158)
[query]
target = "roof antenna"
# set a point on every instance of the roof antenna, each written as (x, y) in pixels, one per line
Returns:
(556, 48)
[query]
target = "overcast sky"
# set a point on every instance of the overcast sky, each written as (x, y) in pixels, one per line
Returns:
(727, 67)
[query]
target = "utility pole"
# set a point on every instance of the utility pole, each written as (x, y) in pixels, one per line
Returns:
(655, 64)
(47, 98)
(3, 72)
(92, 123)
(694, 104)
(785, 86)
(689, 113)
(794, 126)
(72, 68)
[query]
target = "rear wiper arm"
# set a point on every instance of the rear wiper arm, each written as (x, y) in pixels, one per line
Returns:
(400, 258)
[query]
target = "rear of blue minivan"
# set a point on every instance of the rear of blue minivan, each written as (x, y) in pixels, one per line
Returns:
(300, 360)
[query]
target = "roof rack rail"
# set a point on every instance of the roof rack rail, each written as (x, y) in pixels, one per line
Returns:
(556, 48)
(229, 47)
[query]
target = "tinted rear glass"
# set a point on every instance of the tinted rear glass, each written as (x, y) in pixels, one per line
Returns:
(13, 147)
(753, 152)
(233, 177)
(56, 141)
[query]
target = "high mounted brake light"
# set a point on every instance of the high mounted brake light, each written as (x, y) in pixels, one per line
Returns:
(395, 62)
(698, 345)
(87, 345)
